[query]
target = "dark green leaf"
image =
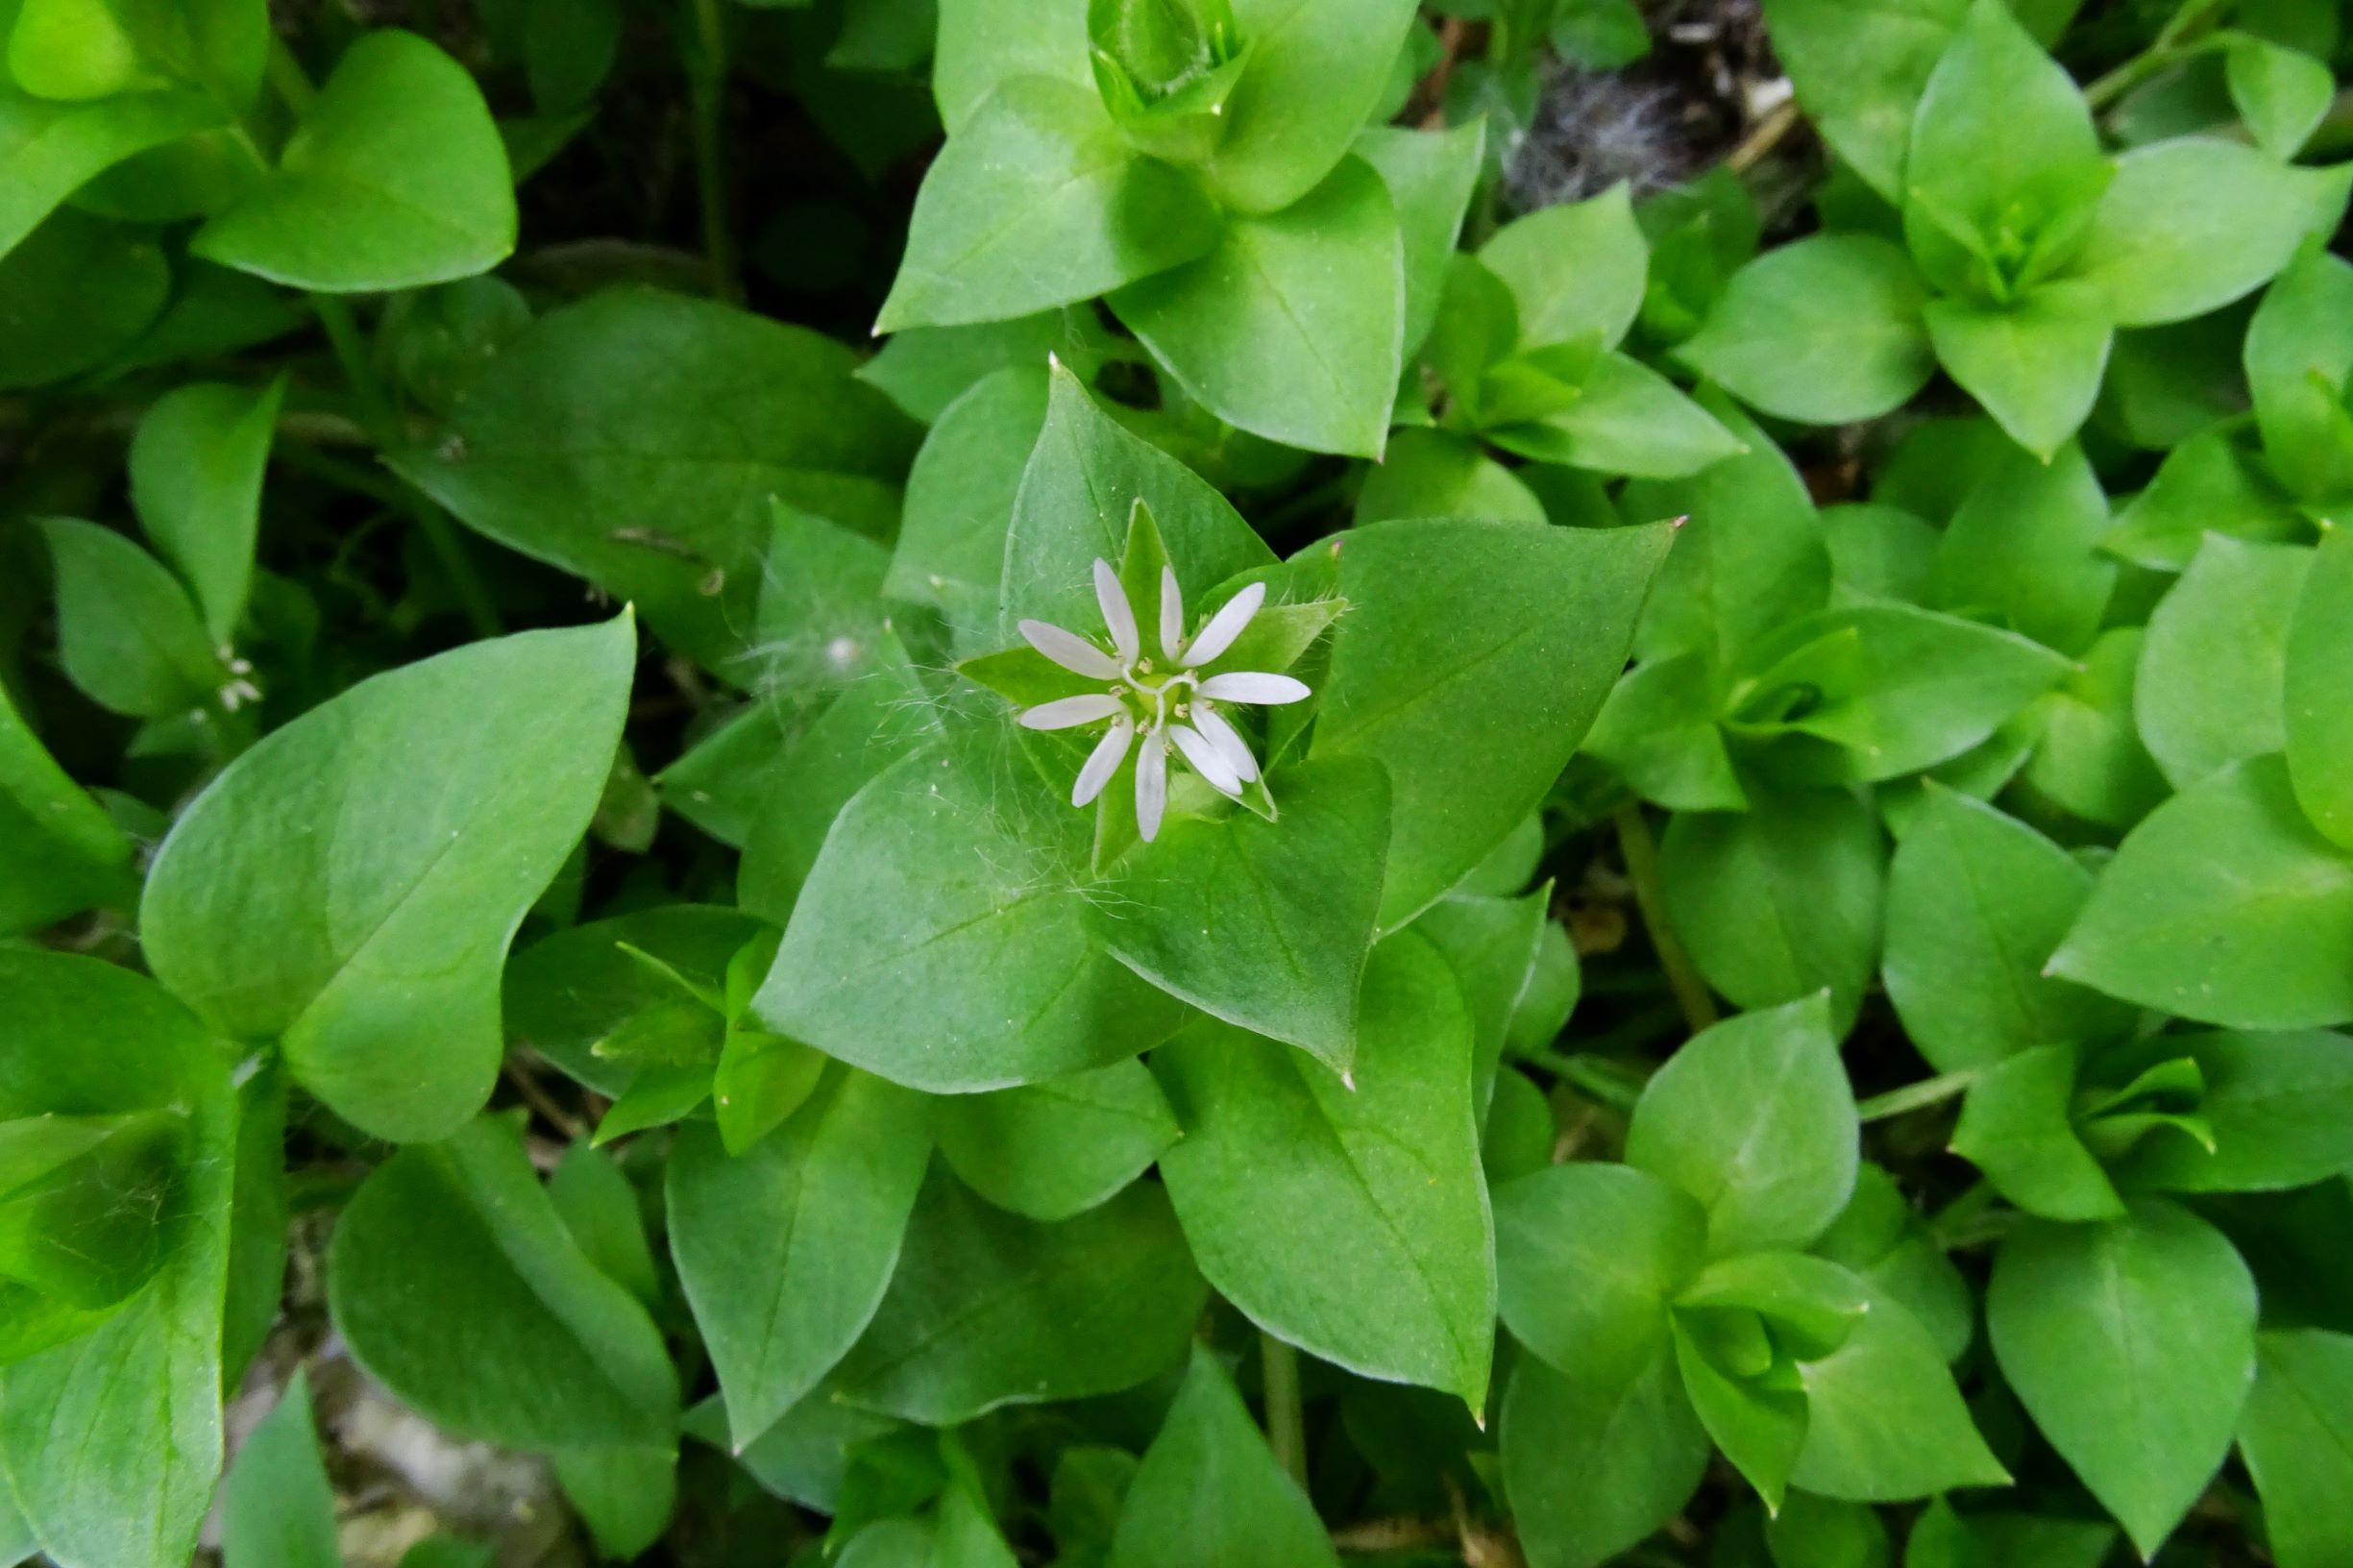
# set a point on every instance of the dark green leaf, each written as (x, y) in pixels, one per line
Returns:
(1753, 1119)
(1349, 1220)
(987, 1309)
(2132, 1344)
(324, 893)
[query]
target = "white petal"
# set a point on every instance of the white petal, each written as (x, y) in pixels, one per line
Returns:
(1151, 783)
(1227, 740)
(1070, 650)
(1171, 616)
(1205, 759)
(1255, 687)
(1225, 625)
(1104, 760)
(1069, 712)
(1117, 615)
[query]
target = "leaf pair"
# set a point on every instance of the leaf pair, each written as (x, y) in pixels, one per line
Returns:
(1664, 1305)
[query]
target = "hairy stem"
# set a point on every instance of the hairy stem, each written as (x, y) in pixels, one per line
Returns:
(1641, 851)
(1915, 1096)
(707, 81)
(1285, 1423)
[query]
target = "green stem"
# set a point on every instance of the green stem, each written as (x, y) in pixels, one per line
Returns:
(1936, 1091)
(1641, 851)
(1285, 1422)
(381, 420)
(1592, 1076)
(336, 471)
(707, 81)
(2165, 51)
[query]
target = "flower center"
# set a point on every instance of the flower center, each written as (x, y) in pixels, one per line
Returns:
(1154, 698)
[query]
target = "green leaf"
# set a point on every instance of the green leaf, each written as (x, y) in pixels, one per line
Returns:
(2212, 665)
(49, 150)
(1440, 473)
(324, 893)
(2293, 1440)
(1052, 1150)
(1752, 1117)
(1625, 419)
(1430, 176)
(2022, 551)
(2189, 225)
(81, 291)
(1859, 69)
(196, 467)
(2223, 906)
(1896, 688)
(1659, 730)
(924, 369)
(805, 1456)
(2276, 1106)
(1265, 924)
(1883, 1419)
(1293, 326)
(2019, 1127)
(2132, 1344)
(1078, 496)
(599, 1208)
(2089, 759)
(569, 992)
(983, 43)
(1038, 202)
(987, 1309)
(278, 1508)
(1813, 1531)
(257, 1224)
(961, 495)
(1825, 330)
(638, 439)
(1749, 554)
(1493, 945)
(2035, 364)
(139, 1389)
(1760, 1426)
(1587, 1259)
(1976, 902)
(556, 1353)
(967, 885)
(1779, 901)
(873, 722)
(1349, 1222)
(2300, 352)
(1316, 71)
(2003, 157)
(126, 633)
(1887, 1241)
(1590, 1470)
(1473, 659)
(1574, 268)
(785, 1249)
(624, 1494)
(1210, 1493)
(62, 850)
(395, 178)
(2318, 730)
(2282, 94)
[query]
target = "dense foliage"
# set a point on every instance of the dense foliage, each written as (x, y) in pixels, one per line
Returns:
(1528, 781)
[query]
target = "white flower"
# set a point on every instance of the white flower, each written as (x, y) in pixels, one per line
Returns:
(1175, 703)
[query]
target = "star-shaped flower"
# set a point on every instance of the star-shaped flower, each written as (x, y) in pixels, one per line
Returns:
(1154, 704)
